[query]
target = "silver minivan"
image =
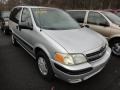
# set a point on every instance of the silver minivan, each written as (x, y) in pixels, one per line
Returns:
(61, 47)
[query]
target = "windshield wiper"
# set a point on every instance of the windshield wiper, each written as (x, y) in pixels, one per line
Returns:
(49, 28)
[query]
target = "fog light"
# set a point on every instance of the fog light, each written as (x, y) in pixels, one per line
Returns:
(75, 80)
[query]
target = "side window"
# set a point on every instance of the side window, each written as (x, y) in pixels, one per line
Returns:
(78, 15)
(26, 17)
(15, 15)
(97, 19)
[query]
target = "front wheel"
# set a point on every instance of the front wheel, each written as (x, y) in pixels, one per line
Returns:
(44, 66)
(116, 47)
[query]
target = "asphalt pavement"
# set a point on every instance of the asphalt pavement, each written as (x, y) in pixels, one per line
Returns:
(18, 71)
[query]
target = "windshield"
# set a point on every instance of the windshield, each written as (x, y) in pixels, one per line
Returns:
(118, 14)
(5, 14)
(112, 17)
(54, 19)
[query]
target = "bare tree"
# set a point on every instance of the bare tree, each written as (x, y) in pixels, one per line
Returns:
(65, 4)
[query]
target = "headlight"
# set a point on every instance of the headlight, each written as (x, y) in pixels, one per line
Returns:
(79, 58)
(70, 59)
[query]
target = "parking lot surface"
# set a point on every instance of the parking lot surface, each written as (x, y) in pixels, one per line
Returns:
(18, 71)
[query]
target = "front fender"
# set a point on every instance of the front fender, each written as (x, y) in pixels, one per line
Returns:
(114, 36)
(43, 48)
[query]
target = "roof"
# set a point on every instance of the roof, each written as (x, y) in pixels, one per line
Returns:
(27, 6)
(87, 10)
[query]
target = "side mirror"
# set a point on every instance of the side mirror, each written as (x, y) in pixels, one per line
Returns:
(87, 26)
(104, 24)
(25, 25)
(81, 25)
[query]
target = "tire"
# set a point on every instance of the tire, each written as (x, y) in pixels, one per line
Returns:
(115, 46)
(2, 29)
(14, 42)
(44, 66)
(5, 31)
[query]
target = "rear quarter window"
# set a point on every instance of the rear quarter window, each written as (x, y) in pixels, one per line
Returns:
(15, 15)
(78, 15)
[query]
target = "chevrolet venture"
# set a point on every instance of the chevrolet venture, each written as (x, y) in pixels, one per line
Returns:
(61, 47)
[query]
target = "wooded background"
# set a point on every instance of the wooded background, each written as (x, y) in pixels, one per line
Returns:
(64, 4)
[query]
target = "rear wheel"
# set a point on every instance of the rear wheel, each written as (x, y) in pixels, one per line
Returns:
(2, 28)
(5, 31)
(44, 66)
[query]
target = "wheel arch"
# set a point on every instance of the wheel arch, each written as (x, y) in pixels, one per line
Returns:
(115, 38)
(45, 51)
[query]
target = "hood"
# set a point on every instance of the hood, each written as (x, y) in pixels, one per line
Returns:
(78, 40)
(115, 26)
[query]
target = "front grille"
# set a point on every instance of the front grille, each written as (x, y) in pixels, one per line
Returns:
(96, 55)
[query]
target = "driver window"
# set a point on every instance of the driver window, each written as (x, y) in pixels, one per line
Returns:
(96, 18)
(26, 17)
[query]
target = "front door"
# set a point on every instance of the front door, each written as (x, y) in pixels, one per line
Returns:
(26, 34)
(98, 23)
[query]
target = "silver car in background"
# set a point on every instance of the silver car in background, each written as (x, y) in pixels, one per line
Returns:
(61, 47)
(4, 19)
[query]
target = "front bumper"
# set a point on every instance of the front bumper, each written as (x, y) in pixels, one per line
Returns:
(78, 73)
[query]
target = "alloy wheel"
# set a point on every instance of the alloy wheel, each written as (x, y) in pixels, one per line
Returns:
(116, 49)
(42, 66)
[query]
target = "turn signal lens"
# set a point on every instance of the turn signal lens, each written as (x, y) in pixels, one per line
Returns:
(70, 59)
(59, 58)
(64, 59)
